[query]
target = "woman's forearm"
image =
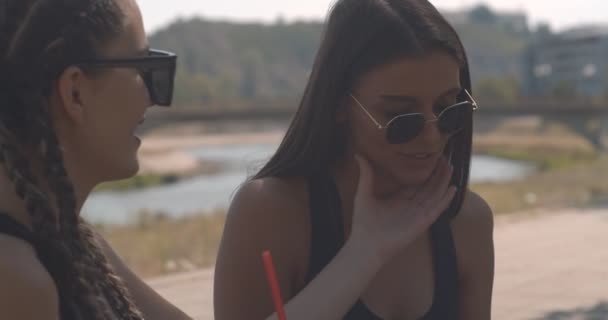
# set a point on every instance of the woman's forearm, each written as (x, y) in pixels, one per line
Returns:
(337, 287)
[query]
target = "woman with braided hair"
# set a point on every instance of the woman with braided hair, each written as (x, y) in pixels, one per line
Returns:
(76, 77)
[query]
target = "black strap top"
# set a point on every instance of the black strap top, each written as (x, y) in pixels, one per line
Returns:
(11, 227)
(327, 237)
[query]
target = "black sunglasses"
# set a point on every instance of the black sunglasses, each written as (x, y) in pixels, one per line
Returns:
(406, 127)
(157, 70)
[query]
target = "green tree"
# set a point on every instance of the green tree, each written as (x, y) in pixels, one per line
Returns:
(222, 61)
(194, 89)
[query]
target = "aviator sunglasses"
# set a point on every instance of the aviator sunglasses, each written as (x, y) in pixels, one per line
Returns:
(406, 127)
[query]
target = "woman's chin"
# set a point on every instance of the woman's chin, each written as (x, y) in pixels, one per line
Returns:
(123, 171)
(413, 179)
(392, 185)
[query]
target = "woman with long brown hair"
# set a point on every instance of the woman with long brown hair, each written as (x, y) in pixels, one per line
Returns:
(365, 205)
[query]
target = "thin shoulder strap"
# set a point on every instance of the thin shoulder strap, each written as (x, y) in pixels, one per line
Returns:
(446, 297)
(326, 226)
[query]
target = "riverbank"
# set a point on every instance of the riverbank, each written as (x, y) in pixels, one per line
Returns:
(549, 147)
(155, 244)
(570, 175)
(579, 184)
(164, 156)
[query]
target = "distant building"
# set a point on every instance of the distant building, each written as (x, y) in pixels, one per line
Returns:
(575, 60)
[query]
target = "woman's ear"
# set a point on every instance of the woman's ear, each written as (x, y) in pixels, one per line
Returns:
(72, 92)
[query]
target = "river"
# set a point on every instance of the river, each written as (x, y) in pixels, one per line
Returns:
(209, 192)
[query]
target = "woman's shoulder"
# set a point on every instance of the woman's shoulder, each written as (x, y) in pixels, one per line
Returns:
(265, 214)
(27, 291)
(271, 197)
(270, 211)
(475, 214)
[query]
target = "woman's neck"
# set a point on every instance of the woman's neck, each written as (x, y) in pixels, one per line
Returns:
(82, 178)
(82, 189)
(14, 206)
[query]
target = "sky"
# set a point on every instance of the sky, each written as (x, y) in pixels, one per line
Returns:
(559, 14)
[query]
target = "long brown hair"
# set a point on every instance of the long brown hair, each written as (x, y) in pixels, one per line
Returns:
(361, 35)
(38, 40)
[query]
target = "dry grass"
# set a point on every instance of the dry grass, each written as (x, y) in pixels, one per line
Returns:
(156, 245)
(147, 180)
(570, 172)
(529, 135)
(580, 183)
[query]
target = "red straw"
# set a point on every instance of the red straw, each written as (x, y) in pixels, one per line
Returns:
(271, 276)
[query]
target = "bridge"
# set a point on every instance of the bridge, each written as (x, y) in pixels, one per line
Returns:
(586, 119)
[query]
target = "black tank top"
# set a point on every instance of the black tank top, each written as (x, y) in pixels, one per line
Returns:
(327, 237)
(11, 227)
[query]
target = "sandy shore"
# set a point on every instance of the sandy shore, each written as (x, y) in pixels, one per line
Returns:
(162, 154)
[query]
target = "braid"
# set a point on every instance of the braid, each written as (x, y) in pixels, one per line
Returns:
(54, 245)
(52, 250)
(82, 237)
(40, 39)
(113, 288)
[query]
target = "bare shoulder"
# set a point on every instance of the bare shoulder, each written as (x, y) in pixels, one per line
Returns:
(273, 205)
(272, 192)
(475, 216)
(473, 235)
(265, 214)
(270, 213)
(27, 291)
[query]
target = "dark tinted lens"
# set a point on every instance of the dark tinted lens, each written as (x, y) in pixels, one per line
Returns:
(160, 79)
(404, 128)
(452, 119)
(161, 83)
